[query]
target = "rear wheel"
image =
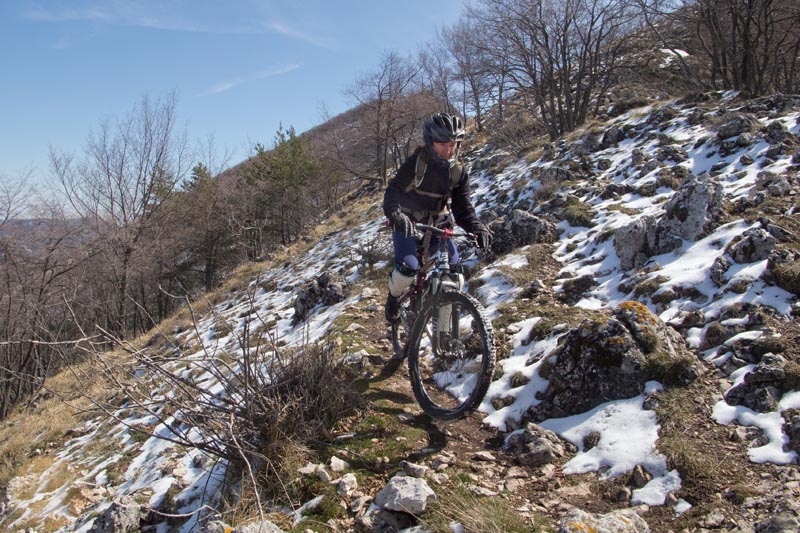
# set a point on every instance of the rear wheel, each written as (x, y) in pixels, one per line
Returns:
(451, 368)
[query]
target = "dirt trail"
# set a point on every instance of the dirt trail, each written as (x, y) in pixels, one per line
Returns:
(717, 475)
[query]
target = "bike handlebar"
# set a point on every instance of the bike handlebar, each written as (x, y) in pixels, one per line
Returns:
(447, 233)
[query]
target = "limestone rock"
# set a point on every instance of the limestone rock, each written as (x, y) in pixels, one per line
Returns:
(762, 388)
(327, 289)
(736, 126)
(520, 228)
(605, 359)
(407, 494)
(754, 245)
(622, 521)
(535, 446)
(121, 516)
(695, 209)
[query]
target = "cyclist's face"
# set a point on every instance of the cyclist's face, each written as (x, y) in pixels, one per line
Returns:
(445, 151)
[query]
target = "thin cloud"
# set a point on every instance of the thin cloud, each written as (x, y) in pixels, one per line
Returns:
(89, 15)
(227, 85)
(287, 31)
(133, 15)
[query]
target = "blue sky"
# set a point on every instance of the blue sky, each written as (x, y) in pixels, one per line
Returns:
(240, 68)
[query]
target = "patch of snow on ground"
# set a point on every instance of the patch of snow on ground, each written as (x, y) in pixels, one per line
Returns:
(628, 435)
(770, 423)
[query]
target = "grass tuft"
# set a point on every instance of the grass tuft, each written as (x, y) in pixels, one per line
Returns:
(474, 513)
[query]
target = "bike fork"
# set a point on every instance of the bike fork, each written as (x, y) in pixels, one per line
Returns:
(444, 319)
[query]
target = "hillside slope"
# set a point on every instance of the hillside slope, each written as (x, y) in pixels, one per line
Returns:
(688, 207)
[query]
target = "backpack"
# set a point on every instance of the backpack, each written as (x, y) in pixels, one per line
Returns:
(456, 171)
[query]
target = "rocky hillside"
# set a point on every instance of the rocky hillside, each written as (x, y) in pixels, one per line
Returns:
(643, 285)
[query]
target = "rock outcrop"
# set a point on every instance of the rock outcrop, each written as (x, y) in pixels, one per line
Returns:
(520, 228)
(611, 359)
(327, 289)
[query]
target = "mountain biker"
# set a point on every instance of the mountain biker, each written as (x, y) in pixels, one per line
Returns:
(419, 192)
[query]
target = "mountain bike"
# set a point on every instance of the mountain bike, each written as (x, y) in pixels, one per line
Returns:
(444, 333)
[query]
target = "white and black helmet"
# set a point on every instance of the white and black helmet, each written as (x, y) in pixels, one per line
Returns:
(443, 128)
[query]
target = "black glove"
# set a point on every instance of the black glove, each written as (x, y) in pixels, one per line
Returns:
(401, 223)
(483, 236)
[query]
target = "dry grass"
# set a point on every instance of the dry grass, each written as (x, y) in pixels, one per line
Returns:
(25, 431)
(788, 277)
(690, 440)
(475, 513)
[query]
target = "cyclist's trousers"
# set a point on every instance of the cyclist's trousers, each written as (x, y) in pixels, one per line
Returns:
(405, 251)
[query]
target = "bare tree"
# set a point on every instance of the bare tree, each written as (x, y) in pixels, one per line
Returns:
(559, 55)
(14, 196)
(382, 93)
(41, 266)
(751, 45)
(473, 69)
(436, 75)
(131, 167)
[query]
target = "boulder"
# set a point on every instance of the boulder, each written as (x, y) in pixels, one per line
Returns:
(774, 184)
(755, 244)
(599, 361)
(695, 209)
(792, 429)
(406, 494)
(612, 136)
(642, 239)
(535, 446)
(611, 359)
(121, 516)
(327, 289)
(763, 387)
(630, 242)
(737, 125)
(672, 153)
(690, 214)
(520, 228)
(775, 132)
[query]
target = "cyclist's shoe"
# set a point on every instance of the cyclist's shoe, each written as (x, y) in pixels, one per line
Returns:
(392, 309)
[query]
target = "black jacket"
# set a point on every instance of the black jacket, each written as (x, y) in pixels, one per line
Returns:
(415, 202)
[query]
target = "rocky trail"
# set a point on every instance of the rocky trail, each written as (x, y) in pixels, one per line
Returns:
(727, 491)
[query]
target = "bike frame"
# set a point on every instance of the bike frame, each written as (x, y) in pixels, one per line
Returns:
(429, 276)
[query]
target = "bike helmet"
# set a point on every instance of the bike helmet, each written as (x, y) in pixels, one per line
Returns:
(443, 128)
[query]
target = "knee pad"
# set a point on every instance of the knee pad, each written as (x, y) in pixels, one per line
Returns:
(400, 279)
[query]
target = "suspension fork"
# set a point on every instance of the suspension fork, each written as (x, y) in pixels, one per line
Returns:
(436, 287)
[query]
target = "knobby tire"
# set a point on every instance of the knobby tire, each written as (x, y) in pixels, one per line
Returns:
(450, 384)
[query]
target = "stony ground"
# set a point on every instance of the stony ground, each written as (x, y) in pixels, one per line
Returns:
(727, 491)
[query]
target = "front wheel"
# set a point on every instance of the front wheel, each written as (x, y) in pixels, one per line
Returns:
(451, 362)
(400, 329)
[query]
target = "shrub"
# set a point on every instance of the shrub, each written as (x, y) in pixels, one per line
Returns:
(787, 277)
(579, 213)
(668, 369)
(275, 404)
(518, 135)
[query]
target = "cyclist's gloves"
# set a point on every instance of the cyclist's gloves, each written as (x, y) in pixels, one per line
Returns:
(483, 236)
(401, 223)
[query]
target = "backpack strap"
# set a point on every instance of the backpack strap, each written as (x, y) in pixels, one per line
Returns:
(421, 166)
